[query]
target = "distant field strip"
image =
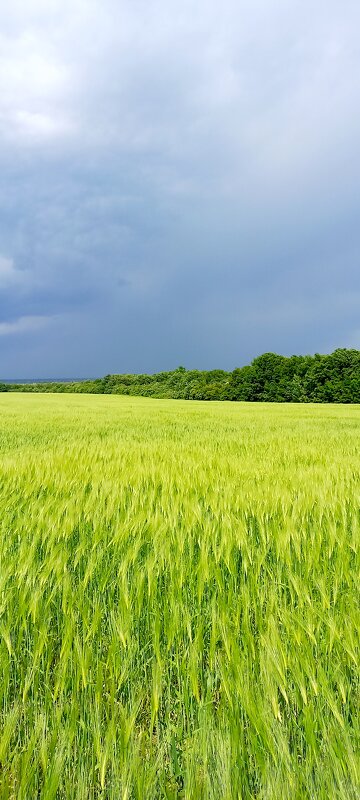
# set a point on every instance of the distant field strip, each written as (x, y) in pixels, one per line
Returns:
(179, 599)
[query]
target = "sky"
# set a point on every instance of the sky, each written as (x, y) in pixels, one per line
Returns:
(179, 183)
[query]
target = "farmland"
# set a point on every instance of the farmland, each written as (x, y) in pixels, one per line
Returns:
(179, 612)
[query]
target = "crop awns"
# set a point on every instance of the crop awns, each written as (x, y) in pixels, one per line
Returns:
(179, 587)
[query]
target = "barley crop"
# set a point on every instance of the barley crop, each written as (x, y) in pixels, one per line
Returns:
(179, 600)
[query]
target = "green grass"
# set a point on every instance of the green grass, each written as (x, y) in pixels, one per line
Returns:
(179, 588)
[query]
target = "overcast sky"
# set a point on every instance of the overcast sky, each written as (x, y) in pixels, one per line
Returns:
(179, 183)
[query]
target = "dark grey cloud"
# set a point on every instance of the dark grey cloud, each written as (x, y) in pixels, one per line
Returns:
(177, 184)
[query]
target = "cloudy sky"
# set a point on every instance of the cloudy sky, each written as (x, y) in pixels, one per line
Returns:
(179, 183)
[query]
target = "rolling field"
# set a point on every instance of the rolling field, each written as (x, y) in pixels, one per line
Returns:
(179, 599)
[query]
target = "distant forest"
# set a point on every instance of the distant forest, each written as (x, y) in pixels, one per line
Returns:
(333, 378)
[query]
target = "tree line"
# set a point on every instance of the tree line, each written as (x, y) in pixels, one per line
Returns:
(333, 378)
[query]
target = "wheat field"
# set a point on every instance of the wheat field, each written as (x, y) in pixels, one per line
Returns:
(179, 599)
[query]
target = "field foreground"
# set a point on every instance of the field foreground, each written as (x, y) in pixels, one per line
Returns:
(179, 588)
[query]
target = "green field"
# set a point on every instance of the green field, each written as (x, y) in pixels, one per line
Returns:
(179, 587)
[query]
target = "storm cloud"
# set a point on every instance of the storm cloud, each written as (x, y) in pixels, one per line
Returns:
(178, 183)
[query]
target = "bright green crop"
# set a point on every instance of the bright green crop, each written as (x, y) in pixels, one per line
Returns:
(179, 587)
